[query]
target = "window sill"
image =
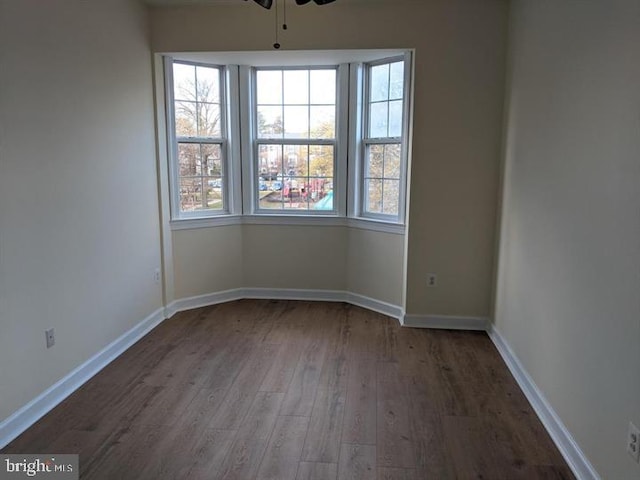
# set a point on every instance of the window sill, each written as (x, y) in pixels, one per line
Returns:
(377, 225)
(205, 222)
(289, 220)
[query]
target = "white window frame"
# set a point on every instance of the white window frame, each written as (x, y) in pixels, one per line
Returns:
(228, 147)
(239, 141)
(251, 142)
(360, 80)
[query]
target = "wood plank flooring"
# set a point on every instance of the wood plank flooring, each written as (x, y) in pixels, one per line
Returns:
(259, 389)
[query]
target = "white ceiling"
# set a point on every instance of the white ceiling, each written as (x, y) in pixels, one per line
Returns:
(286, 57)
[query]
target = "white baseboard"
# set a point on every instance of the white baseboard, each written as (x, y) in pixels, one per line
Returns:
(379, 306)
(445, 322)
(385, 308)
(202, 301)
(573, 455)
(26, 416)
(295, 294)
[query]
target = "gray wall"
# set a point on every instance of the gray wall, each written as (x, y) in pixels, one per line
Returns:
(569, 277)
(79, 230)
(459, 91)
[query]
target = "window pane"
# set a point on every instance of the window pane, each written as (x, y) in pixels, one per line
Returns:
(323, 86)
(189, 161)
(296, 122)
(270, 162)
(184, 82)
(208, 120)
(305, 177)
(320, 193)
(298, 176)
(214, 193)
(378, 120)
(395, 118)
(186, 119)
(208, 83)
(270, 122)
(211, 160)
(200, 176)
(191, 194)
(373, 196)
(296, 87)
(396, 84)
(199, 114)
(295, 193)
(296, 160)
(321, 160)
(379, 84)
(392, 161)
(214, 183)
(382, 163)
(270, 193)
(375, 162)
(269, 87)
(323, 122)
(391, 192)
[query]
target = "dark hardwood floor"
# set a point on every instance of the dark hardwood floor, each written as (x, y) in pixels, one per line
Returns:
(300, 390)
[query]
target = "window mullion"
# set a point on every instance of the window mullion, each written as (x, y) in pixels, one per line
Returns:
(355, 144)
(248, 132)
(200, 140)
(382, 141)
(342, 131)
(172, 147)
(406, 134)
(296, 141)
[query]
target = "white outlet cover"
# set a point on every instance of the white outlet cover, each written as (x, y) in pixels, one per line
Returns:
(50, 337)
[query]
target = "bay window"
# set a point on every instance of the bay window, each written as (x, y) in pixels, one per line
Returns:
(287, 136)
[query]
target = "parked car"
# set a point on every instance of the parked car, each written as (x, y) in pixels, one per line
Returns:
(276, 186)
(217, 183)
(268, 176)
(262, 185)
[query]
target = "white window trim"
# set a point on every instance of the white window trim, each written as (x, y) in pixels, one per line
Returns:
(356, 72)
(289, 220)
(234, 140)
(227, 145)
(212, 221)
(360, 110)
(250, 144)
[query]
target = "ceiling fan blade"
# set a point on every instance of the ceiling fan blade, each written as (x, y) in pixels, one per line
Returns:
(264, 3)
(323, 2)
(302, 2)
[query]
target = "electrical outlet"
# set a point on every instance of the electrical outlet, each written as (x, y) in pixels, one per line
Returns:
(633, 442)
(432, 280)
(156, 276)
(51, 337)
